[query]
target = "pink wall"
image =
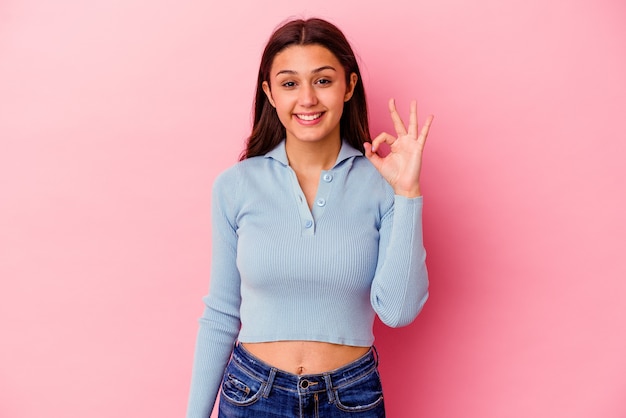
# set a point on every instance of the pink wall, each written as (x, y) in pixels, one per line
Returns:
(116, 116)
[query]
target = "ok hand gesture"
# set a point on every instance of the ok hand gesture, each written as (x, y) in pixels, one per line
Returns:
(401, 167)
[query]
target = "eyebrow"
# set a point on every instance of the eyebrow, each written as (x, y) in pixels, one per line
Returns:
(315, 71)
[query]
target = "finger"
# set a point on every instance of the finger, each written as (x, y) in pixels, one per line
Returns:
(424, 132)
(397, 120)
(374, 158)
(413, 119)
(382, 137)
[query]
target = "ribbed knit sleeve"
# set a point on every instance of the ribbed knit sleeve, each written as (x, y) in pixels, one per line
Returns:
(220, 323)
(400, 286)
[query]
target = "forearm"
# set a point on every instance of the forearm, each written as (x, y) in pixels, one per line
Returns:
(400, 287)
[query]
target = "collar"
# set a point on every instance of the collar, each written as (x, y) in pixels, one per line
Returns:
(280, 153)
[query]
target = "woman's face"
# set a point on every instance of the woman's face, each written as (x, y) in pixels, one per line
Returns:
(307, 86)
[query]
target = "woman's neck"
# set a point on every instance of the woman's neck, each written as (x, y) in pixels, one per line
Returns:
(306, 156)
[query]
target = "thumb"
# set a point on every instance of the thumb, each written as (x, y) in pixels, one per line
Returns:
(374, 158)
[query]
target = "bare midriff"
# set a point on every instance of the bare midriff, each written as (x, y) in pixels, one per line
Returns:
(305, 357)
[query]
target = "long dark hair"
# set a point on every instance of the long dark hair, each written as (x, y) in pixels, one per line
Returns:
(267, 131)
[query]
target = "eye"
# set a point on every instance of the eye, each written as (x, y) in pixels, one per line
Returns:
(288, 84)
(324, 81)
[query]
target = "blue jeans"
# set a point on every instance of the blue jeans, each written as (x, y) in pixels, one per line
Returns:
(252, 388)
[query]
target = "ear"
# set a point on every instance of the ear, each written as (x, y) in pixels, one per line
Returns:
(268, 93)
(350, 87)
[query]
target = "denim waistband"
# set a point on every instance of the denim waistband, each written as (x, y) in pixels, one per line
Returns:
(307, 382)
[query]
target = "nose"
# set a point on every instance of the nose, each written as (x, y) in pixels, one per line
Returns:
(307, 96)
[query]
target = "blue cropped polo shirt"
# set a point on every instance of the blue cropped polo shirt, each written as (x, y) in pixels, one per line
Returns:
(283, 271)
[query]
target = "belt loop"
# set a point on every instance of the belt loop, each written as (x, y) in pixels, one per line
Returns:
(329, 388)
(376, 355)
(270, 382)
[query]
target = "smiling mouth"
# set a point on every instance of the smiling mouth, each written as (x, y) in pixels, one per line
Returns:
(309, 117)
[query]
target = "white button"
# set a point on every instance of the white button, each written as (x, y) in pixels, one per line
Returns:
(308, 224)
(320, 202)
(327, 178)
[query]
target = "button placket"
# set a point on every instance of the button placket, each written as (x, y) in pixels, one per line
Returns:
(307, 220)
(323, 192)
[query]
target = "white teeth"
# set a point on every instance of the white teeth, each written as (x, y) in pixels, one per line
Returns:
(309, 117)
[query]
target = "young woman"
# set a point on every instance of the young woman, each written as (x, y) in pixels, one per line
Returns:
(314, 234)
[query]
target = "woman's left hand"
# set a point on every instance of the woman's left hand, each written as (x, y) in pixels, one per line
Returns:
(401, 167)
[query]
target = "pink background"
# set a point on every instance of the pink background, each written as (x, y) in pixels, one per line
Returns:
(116, 116)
